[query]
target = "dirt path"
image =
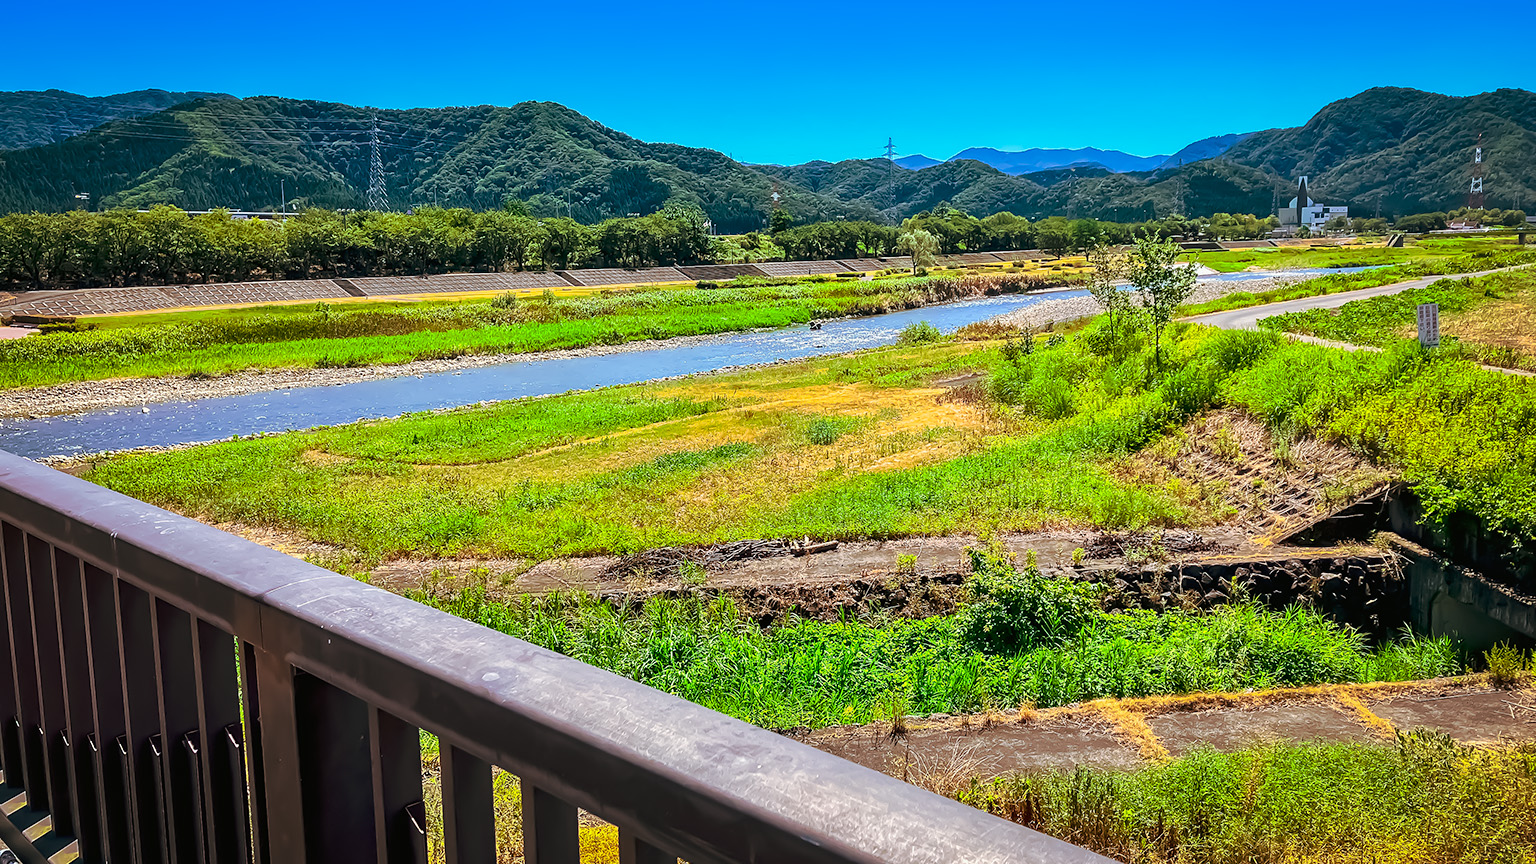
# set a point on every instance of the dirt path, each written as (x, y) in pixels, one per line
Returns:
(1126, 734)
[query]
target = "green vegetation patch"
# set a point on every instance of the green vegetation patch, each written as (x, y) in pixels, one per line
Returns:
(1425, 799)
(1026, 639)
(1383, 321)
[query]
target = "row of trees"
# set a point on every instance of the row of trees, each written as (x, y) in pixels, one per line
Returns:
(165, 245)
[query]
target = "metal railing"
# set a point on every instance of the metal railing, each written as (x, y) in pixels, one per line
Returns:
(172, 693)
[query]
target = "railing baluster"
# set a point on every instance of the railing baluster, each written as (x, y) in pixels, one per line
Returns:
(69, 604)
(177, 690)
(281, 811)
(337, 771)
(50, 686)
(107, 707)
(469, 817)
(10, 743)
(218, 702)
(136, 654)
(550, 832)
(33, 772)
(633, 850)
(235, 768)
(396, 789)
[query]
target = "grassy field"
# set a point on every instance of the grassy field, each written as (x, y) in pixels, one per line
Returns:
(1425, 801)
(1024, 638)
(861, 446)
(1338, 283)
(1491, 319)
(1369, 253)
(218, 342)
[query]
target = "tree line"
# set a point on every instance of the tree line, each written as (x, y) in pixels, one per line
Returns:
(165, 245)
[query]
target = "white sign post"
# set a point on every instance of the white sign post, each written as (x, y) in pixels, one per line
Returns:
(1429, 325)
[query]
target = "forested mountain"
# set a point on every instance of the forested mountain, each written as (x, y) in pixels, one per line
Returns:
(36, 117)
(1091, 191)
(234, 153)
(1409, 149)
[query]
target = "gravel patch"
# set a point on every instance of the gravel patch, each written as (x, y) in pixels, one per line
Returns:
(1049, 312)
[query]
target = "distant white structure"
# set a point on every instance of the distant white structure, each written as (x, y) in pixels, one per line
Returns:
(1304, 211)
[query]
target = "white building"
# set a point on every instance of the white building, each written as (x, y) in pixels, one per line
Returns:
(1311, 214)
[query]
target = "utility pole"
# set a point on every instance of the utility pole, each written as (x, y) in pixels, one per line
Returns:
(282, 191)
(378, 199)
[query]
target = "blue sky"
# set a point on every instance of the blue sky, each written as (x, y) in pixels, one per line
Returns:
(792, 81)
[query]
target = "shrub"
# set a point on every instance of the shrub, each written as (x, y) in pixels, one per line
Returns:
(1506, 664)
(1013, 610)
(920, 333)
(504, 300)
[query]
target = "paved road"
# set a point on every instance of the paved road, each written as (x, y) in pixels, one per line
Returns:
(1248, 319)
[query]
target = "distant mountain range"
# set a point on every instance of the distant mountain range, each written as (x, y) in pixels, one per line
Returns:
(1396, 149)
(1018, 162)
(35, 117)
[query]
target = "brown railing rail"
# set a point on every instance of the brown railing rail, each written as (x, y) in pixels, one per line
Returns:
(172, 693)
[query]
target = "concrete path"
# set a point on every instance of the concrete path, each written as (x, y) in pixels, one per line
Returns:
(1248, 318)
(1129, 733)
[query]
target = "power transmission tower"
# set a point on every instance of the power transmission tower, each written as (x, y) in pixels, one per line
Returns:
(890, 149)
(378, 199)
(1475, 196)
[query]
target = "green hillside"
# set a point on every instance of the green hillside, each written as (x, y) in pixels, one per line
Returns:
(1200, 189)
(36, 117)
(1406, 149)
(234, 153)
(1410, 149)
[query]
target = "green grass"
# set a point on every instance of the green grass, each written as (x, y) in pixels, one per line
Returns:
(219, 342)
(856, 447)
(1383, 321)
(1425, 800)
(1340, 282)
(812, 674)
(1297, 257)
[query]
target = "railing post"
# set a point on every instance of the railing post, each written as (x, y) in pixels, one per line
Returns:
(177, 691)
(219, 712)
(136, 653)
(469, 814)
(550, 832)
(107, 707)
(337, 772)
(633, 850)
(33, 773)
(69, 604)
(397, 803)
(281, 808)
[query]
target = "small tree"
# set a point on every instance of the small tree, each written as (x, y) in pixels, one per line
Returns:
(1109, 269)
(1153, 269)
(780, 220)
(922, 246)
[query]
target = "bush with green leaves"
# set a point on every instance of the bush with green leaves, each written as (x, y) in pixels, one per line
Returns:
(920, 333)
(1013, 609)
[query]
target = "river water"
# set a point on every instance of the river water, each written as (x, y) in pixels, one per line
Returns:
(168, 423)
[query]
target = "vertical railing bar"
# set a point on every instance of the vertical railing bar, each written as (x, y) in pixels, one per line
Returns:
(99, 604)
(469, 815)
(10, 745)
(337, 769)
(633, 850)
(239, 793)
(24, 669)
(550, 830)
(176, 692)
(396, 752)
(69, 605)
(136, 658)
(50, 684)
(218, 703)
(277, 726)
(192, 743)
(255, 767)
